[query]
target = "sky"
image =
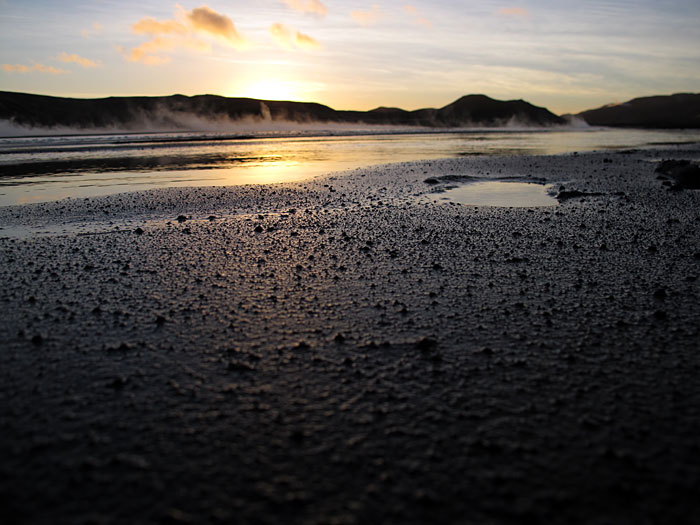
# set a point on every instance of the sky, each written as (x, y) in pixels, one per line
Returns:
(566, 55)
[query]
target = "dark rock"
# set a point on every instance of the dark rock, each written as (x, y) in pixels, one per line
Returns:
(574, 194)
(240, 366)
(181, 218)
(431, 180)
(119, 382)
(660, 294)
(123, 347)
(138, 231)
(425, 344)
(660, 315)
(685, 173)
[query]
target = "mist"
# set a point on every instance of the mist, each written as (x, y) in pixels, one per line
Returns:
(36, 115)
(166, 121)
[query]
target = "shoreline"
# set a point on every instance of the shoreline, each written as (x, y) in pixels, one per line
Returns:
(401, 179)
(335, 351)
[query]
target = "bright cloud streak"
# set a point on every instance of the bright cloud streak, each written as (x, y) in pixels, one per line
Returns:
(314, 7)
(151, 26)
(81, 61)
(368, 17)
(40, 68)
(288, 38)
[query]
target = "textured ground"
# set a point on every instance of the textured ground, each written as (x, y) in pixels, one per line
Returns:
(345, 351)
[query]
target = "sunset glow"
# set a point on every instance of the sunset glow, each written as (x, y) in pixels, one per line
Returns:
(272, 89)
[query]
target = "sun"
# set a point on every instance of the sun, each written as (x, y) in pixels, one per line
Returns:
(273, 89)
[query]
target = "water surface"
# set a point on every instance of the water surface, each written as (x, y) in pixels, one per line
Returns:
(35, 169)
(498, 193)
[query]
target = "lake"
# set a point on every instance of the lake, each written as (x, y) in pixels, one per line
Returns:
(53, 167)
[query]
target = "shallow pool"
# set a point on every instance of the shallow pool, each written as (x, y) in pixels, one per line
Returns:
(498, 193)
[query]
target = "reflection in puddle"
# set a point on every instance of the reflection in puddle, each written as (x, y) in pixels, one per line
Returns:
(503, 194)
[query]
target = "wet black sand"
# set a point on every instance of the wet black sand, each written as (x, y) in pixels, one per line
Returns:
(342, 351)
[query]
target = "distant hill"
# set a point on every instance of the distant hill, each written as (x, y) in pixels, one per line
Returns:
(182, 112)
(480, 108)
(670, 111)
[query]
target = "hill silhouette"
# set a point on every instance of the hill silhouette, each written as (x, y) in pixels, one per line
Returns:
(681, 110)
(180, 112)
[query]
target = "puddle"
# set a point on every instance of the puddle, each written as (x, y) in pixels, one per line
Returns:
(502, 194)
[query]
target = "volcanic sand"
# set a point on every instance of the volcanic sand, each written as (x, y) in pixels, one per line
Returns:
(347, 350)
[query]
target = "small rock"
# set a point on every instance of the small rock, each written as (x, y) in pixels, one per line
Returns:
(240, 366)
(660, 294)
(138, 231)
(181, 218)
(660, 315)
(119, 382)
(425, 344)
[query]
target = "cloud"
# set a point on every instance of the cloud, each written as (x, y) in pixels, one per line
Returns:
(151, 26)
(145, 53)
(96, 29)
(418, 18)
(39, 68)
(150, 52)
(314, 7)
(205, 20)
(288, 37)
(513, 11)
(183, 32)
(368, 17)
(84, 62)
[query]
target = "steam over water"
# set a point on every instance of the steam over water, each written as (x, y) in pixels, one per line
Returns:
(35, 169)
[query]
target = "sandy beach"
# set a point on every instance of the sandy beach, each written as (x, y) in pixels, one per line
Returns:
(349, 350)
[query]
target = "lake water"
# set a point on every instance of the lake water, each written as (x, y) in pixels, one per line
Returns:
(36, 169)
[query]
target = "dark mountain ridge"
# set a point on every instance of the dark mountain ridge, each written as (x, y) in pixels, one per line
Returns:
(681, 110)
(178, 111)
